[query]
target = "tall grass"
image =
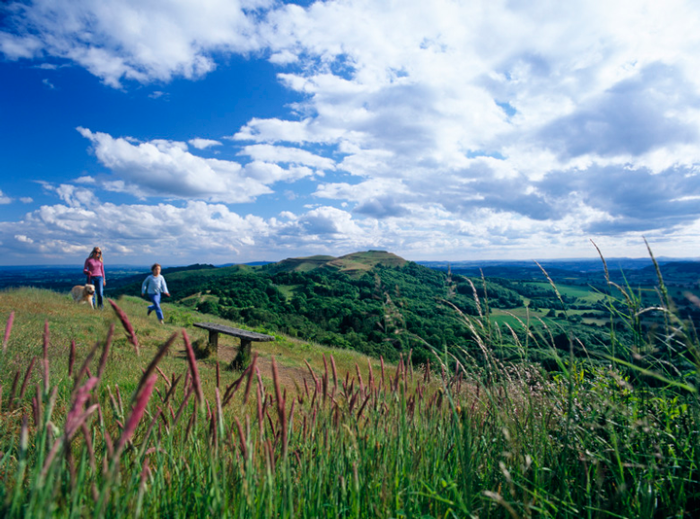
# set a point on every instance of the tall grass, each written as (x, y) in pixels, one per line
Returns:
(471, 437)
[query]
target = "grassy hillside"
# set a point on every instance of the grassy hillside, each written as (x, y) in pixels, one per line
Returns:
(157, 433)
(300, 264)
(68, 322)
(357, 264)
(354, 265)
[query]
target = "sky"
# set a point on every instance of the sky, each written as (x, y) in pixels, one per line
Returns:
(232, 131)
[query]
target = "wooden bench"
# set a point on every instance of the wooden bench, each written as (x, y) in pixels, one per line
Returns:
(242, 360)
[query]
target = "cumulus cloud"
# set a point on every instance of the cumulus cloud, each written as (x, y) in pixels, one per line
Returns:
(138, 230)
(129, 39)
(277, 130)
(512, 111)
(71, 195)
(203, 144)
(382, 207)
(4, 199)
(194, 231)
(166, 168)
(637, 200)
(328, 220)
(633, 117)
(286, 154)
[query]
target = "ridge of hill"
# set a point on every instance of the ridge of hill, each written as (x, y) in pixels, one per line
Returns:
(355, 264)
(299, 264)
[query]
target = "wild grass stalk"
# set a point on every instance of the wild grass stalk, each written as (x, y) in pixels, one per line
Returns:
(8, 330)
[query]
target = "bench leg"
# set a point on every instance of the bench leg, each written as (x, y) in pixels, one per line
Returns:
(242, 360)
(213, 343)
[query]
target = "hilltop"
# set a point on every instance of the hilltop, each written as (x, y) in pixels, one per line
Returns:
(354, 265)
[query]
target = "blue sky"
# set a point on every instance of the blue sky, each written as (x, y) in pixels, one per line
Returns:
(228, 131)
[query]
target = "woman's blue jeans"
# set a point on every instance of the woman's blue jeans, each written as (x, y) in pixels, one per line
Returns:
(99, 290)
(155, 299)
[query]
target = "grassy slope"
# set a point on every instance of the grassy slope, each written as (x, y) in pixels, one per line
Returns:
(360, 262)
(355, 264)
(68, 321)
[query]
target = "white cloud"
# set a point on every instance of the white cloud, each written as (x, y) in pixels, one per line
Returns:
(475, 107)
(368, 189)
(204, 232)
(18, 47)
(196, 231)
(130, 39)
(267, 173)
(26, 199)
(284, 58)
(166, 168)
(71, 195)
(202, 144)
(329, 220)
(275, 130)
(4, 199)
(163, 229)
(285, 154)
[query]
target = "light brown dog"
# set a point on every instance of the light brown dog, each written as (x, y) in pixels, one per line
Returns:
(83, 294)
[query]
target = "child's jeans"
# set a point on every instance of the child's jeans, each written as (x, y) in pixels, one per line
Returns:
(155, 299)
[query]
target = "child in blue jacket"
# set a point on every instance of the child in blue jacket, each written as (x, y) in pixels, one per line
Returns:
(154, 285)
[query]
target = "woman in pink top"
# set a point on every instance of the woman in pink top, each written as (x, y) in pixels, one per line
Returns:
(95, 270)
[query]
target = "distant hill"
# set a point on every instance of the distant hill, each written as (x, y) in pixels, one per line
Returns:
(583, 265)
(196, 266)
(298, 264)
(361, 262)
(354, 265)
(636, 271)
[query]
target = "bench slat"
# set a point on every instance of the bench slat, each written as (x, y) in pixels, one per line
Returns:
(235, 332)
